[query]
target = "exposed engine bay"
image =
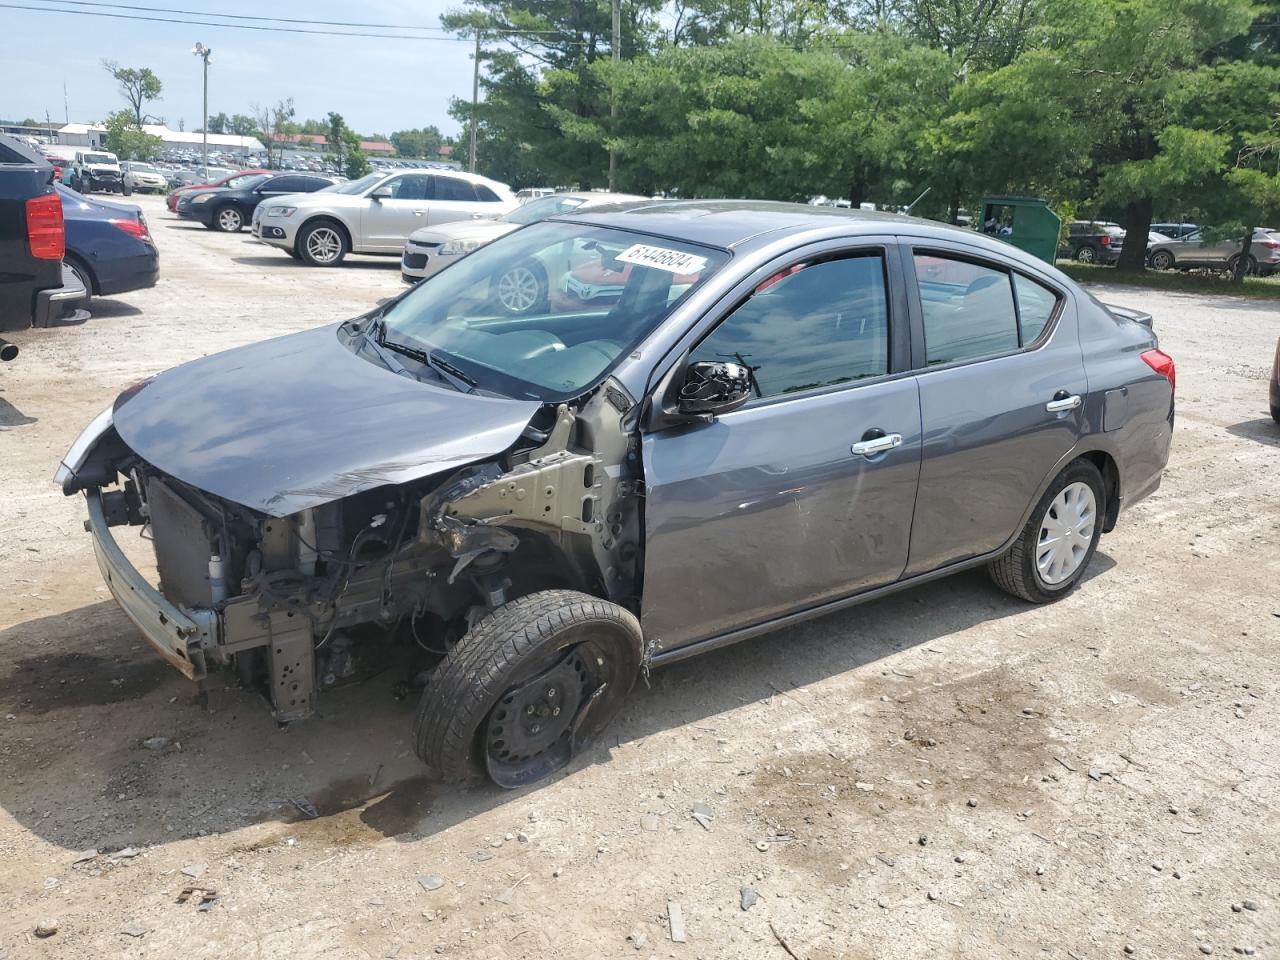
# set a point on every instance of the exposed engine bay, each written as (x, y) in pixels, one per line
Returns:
(289, 603)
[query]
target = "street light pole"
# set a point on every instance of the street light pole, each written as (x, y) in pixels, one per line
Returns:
(201, 51)
(475, 100)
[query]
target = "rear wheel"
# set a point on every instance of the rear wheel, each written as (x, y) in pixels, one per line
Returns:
(227, 220)
(81, 271)
(527, 687)
(321, 244)
(1250, 265)
(1162, 260)
(1051, 554)
(1086, 254)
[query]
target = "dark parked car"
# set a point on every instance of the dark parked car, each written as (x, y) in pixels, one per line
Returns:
(787, 410)
(36, 288)
(1175, 231)
(234, 180)
(109, 245)
(229, 208)
(1092, 241)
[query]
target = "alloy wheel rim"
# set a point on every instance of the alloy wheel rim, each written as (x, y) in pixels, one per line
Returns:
(518, 289)
(1085, 255)
(323, 244)
(230, 219)
(1066, 533)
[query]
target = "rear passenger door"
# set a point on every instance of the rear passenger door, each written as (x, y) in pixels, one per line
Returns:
(805, 494)
(1002, 389)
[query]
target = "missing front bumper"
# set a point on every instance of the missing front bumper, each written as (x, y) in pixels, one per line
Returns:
(180, 636)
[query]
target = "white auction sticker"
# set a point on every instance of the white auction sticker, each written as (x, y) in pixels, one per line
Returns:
(660, 258)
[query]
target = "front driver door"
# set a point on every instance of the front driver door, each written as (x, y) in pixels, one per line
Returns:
(389, 220)
(805, 494)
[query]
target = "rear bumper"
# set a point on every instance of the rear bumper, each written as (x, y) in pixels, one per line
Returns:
(128, 273)
(61, 305)
(179, 636)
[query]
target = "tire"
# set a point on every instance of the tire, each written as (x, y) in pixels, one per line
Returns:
(227, 219)
(1086, 254)
(1019, 573)
(1162, 260)
(322, 243)
(1275, 413)
(522, 289)
(293, 252)
(127, 190)
(1250, 269)
(82, 272)
(503, 661)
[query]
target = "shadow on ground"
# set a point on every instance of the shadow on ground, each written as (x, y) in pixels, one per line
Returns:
(101, 309)
(1263, 429)
(11, 416)
(86, 694)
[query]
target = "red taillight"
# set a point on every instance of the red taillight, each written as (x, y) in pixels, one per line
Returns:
(1161, 363)
(45, 233)
(1271, 244)
(131, 226)
(1105, 240)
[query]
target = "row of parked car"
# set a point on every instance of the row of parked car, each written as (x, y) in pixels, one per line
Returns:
(1173, 246)
(58, 248)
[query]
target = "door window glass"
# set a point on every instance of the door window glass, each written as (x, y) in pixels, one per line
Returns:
(447, 188)
(1035, 306)
(968, 309)
(410, 187)
(810, 326)
(284, 185)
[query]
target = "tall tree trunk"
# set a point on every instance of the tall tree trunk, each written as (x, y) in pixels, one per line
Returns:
(953, 205)
(858, 189)
(1242, 262)
(1137, 226)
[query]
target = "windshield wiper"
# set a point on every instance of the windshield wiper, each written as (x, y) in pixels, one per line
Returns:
(455, 377)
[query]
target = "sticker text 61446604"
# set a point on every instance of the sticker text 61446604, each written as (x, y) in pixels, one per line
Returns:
(662, 258)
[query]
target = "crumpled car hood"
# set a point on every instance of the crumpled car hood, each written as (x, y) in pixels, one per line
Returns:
(300, 421)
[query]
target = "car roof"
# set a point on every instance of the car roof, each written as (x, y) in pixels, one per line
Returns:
(436, 171)
(728, 224)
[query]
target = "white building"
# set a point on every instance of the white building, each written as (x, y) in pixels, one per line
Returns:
(92, 135)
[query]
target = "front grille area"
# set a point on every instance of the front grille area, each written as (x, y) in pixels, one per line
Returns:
(181, 539)
(414, 261)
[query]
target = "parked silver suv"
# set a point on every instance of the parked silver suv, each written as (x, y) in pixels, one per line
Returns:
(375, 213)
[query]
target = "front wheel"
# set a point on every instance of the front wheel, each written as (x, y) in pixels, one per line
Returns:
(321, 244)
(228, 220)
(1051, 554)
(1162, 260)
(527, 687)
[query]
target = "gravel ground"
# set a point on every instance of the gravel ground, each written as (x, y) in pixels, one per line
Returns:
(944, 773)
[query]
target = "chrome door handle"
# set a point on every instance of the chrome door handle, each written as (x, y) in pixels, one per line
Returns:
(1066, 403)
(869, 448)
(419, 213)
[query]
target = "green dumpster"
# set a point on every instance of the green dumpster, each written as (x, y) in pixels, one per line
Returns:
(1025, 222)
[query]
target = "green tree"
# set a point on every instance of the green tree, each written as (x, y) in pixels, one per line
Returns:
(139, 85)
(126, 138)
(218, 123)
(344, 146)
(241, 125)
(424, 142)
(272, 123)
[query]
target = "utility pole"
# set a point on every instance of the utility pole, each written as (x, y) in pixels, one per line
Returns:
(613, 93)
(475, 100)
(48, 124)
(66, 107)
(201, 51)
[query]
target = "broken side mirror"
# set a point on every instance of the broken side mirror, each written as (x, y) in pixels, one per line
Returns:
(713, 387)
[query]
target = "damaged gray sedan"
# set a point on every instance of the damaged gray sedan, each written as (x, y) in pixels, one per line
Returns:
(719, 418)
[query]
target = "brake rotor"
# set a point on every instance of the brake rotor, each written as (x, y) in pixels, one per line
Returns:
(529, 732)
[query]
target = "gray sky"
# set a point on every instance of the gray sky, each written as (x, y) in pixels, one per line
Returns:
(378, 85)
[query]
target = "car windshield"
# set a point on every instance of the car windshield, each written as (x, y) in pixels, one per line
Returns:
(142, 168)
(547, 311)
(536, 210)
(99, 158)
(354, 187)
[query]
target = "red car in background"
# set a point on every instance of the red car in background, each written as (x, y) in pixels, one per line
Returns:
(59, 167)
(172, 201)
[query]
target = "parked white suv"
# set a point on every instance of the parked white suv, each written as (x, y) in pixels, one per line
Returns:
(375, 213)
(143, 177)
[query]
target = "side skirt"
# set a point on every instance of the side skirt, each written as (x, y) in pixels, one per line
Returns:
(662, 658)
